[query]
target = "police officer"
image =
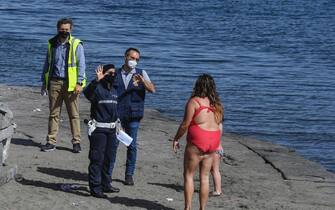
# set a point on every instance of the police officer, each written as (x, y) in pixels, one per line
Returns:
(102, 93)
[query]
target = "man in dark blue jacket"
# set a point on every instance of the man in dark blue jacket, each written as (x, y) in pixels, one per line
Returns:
(132, 82)
(102, 93)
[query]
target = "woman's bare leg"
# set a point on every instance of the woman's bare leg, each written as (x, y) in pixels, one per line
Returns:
(191, 162)
(215, 170)
(205, 167)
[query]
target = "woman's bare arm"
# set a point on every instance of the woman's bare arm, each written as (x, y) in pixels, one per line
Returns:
(188, 115)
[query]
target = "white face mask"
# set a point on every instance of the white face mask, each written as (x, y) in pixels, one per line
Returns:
(132, 64)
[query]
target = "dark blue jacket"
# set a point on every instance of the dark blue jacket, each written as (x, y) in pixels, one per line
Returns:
(130, 100)
(103, 101)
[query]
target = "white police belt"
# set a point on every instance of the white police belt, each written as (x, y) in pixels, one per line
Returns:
(93, 124)
(105, 125)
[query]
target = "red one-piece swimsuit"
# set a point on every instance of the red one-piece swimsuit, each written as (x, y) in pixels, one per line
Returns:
(205, 140)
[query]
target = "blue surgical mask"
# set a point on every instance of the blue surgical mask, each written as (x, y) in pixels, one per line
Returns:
(132, 64)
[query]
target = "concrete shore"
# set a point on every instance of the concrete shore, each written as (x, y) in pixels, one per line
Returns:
(255, 174)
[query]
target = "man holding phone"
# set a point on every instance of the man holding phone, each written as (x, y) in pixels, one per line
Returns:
(132, 83)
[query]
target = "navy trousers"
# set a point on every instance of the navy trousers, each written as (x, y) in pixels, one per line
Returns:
(131, 129)
(103, 148)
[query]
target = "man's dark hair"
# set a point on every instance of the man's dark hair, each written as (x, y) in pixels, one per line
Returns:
(64, 21)
(131, 49)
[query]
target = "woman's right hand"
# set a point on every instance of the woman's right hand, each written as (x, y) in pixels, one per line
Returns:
(99, 73)
(175, 145)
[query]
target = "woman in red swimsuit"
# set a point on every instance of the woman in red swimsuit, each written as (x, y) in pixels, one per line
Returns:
(203, 115)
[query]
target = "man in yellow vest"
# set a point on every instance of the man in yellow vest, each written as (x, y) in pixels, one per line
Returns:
(63, 79)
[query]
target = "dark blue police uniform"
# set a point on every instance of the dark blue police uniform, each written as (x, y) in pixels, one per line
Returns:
(103, 142)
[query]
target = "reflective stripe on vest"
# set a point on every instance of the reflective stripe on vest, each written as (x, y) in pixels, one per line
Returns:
(72, 70)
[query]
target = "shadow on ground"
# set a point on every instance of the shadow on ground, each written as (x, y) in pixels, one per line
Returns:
(25, 142)
(141, 203)
(177, 188)
(64, 148)
(62, 173)
(81, 190)
(31, 143)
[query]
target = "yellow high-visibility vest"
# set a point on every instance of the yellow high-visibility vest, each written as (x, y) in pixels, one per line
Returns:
(72, 71)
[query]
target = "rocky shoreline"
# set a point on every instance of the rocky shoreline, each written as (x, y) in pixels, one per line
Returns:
(255, 174)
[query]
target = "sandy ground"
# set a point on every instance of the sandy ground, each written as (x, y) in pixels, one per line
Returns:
(255, 174)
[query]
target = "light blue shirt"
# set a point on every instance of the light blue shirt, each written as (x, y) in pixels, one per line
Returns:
(60, 62)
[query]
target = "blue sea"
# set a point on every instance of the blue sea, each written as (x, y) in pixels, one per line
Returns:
(273, 61)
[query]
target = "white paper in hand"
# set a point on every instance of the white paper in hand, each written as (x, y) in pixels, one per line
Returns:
(124, 137)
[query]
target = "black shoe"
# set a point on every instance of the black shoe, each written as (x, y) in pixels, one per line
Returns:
(129, 180)
(76, 148)
(48, 147)
(111, 189)
(98, 194)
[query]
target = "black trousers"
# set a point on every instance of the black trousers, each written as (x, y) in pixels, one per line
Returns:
(103, 144)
